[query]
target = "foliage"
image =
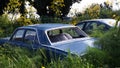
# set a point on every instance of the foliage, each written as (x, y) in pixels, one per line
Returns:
(44, 7)
(23, 21)
(70, 62)
(96, 57)
(93, 11)
(3, 4)
(14, 57)
(109, 43)
(106, 13)
(47, 19)
(74, 21)
(6, 26)
(50, 8)
(35, 21)
(18, 57)
(97, 11)
(22, 9)
(13, 6)
(56, 5)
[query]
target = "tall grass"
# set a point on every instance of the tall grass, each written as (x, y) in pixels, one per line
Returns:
(17, 57)
(14, 57)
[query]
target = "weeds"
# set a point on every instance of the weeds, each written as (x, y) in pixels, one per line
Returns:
(17, 57)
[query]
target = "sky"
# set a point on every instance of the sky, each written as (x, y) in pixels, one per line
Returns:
(80, 7)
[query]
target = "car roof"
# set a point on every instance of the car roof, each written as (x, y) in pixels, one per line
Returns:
(47, 26)
(110, 22)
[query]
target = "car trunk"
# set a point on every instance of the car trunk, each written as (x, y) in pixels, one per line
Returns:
(75, 46)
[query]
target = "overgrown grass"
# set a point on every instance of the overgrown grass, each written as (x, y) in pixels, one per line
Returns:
(14, 57)
(17, 57)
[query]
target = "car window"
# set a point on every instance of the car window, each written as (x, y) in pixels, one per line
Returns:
(103, 26)
(30, 37)
(63, 34)
(72, 32)
(54, 32)
(18, 35)
(95, 25)
(81, 25)
(90, 26)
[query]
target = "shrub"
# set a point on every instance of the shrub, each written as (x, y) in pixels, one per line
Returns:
(23, 21)
(35, 21)
(110, 44)
(96, 57)
(47, 19)
(6, 27)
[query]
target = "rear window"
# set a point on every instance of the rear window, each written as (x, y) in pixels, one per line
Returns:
(63, 34)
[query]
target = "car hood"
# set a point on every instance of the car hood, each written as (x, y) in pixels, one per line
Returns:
(75, 46)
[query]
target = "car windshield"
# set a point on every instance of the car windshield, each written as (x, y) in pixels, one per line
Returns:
(62, 34)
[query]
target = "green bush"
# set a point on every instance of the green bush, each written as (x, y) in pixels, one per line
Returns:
(96, 57)
(6, 26)
(47, 19)
(23, 21)
(110, 44)
(35, 21)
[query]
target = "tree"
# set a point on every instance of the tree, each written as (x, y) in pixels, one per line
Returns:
(12, 7)
(56, 6)
(44, 7)
(22, 7)
(92, 12)
(3, 4)
(97, 11)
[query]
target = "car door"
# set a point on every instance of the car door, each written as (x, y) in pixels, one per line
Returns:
(17, 37)
(30, 39)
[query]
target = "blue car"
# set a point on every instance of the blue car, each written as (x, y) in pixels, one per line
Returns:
(55, 38)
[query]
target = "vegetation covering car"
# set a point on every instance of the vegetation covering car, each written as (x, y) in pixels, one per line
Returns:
(56, 38)
(89, 25)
